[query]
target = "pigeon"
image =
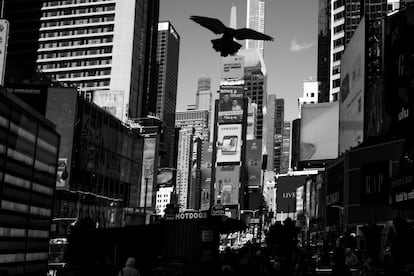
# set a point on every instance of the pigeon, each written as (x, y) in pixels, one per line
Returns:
(226, 44)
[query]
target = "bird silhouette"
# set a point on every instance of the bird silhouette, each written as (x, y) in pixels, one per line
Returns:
(226, 44)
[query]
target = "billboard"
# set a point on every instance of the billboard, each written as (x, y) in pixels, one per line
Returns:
(149, 167)
(227, 184)
(254, 162)
(351, 107)
(230, 107)
(35, 96)
(59, 99)
(399, 72)
(317, 141)
(375, 182)
(4, 36)
(206, 166)
(286, 193)
(113, 101)
(229, 143)
(232, 67)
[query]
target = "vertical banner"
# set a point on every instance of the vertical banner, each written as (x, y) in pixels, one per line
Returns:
(4, 35)
(227, 184)
(206, 167)
(229, 143)
(148, 171)
(253, 161)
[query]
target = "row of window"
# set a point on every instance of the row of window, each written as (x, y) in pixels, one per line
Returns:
(18, 232)
(21, 257)
(76, 53)
(339, 16)
(76, 42)
(162, 200)
(70, 2)
(24, 208)
(79, 21)
(79, 10)
(339, 42)
(82, 74)
(88, 84)
(72, 64)
(339, 29)
(78, 31)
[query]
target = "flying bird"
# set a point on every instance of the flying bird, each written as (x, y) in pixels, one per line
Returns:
(226, 44)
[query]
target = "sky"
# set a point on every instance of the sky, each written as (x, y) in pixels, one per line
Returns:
(289, 59)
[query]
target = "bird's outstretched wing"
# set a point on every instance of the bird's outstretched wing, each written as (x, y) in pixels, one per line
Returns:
(213, 24)
(245, 33)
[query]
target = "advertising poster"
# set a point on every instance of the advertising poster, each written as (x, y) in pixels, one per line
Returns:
(227, 184)
(4, 36)
(206, 166)
(113, 101)
(148, 172)
(254, 162)
(351, 107)
(232, 67)
(230, 107)
(229, 143)
(286, 193)
(321, 144)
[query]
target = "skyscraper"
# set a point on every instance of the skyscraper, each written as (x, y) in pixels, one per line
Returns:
(255, 20)
(255, 83)
(204, 95)
(324, 43)
(345, 16)
(285, 156)
(270, 133)
(197, 119)
(91, 44)
(184, 165)
(278, 138)
(167, 58)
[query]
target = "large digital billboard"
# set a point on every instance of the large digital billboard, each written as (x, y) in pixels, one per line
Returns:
(230, 107)
(206, 167)
(59, 99)
(229, 143)
(317, 141)
(227, 184)
(286, 193)
(254, 162)
(232, 67)
(351, 107)
(149, 167)
(399, 73)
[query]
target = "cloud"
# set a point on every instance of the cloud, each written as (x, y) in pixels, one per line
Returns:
(296, 47)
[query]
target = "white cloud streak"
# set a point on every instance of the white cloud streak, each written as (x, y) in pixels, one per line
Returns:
(296, 47)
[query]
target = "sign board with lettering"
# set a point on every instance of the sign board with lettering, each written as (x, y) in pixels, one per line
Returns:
(286, 192)
(186, 215)
(218, 210)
